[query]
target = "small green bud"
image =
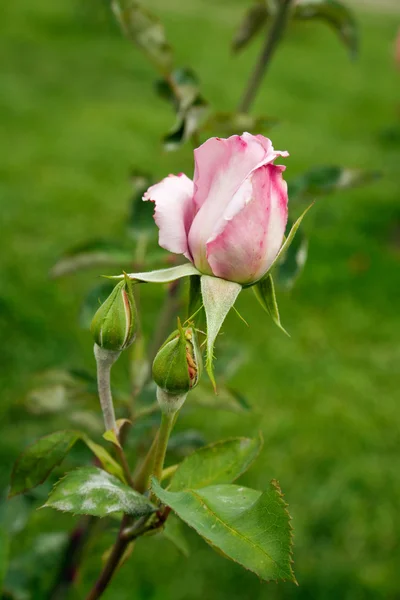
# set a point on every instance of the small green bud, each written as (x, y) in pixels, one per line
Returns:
(178, 364)
(114, 324)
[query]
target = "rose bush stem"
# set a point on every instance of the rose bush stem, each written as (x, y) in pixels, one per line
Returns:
(105, 360)
(167, 423)
(270, 44)
(112, 563)
(143, 473)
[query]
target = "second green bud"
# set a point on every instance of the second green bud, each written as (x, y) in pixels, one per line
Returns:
(178, 364)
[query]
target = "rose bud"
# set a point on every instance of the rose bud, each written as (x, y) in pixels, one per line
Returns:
(230, 220)
(177, 368)
(114, 324)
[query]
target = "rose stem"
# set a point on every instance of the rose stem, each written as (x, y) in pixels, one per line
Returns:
(270, 44)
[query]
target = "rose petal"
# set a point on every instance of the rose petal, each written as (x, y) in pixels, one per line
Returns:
(222, 165)
(174, 211)
(250, 239)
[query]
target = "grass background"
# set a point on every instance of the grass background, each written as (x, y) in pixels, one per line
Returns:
(77, 111)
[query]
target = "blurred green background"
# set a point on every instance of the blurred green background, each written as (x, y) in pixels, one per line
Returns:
(77, 111)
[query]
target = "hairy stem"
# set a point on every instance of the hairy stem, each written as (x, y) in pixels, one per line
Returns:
(105, 360)
(270, 44)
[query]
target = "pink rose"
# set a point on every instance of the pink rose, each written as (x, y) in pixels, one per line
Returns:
(230, 220)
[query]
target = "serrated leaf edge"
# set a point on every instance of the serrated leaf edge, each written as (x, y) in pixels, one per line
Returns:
(274, 483)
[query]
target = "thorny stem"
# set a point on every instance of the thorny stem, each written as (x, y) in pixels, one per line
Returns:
(270, 44)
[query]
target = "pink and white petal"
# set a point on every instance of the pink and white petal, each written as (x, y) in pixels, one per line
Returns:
(250, 240)
(269, 149)
(174, 211)
(221, 165)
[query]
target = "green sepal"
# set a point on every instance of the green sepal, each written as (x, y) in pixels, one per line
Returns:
(264, 291)
(162, 275)
(218, 296)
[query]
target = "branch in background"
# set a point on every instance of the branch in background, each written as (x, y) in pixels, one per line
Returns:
(271, 42)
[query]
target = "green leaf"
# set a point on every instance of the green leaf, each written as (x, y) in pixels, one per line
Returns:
(323, 180)
(106, 460)
(222, 462)
(218, 296)
(111, 436)
(91, 491)
(292, 262)
(265, 293)
(254, 20)
(4, 554)
(96, 253)
(173, 531)
(144, 30)
(163, 275)
(335, 14)
(226, 124)
(247, 526)
(37, 461)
